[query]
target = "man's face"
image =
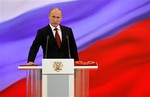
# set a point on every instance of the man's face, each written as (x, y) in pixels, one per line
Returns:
(55, 17)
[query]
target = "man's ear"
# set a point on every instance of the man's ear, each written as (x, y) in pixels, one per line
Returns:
(49, 17)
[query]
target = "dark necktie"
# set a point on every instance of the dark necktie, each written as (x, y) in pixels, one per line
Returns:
(57, 37)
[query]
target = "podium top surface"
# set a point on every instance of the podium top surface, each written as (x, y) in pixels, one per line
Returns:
(77, 65)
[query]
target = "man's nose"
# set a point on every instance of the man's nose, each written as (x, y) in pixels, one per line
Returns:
(55, 19)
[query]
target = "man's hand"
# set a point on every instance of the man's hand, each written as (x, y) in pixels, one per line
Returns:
(30, 63)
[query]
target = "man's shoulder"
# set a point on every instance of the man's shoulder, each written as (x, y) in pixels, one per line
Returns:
(44, 29)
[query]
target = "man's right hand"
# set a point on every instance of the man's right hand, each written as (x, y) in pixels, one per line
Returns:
(30, 63)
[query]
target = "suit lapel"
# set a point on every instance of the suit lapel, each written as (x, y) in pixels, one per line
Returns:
(49, 30)
(64, 33)
(50, 33)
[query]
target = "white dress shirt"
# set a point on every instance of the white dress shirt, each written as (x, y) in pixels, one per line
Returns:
(59, 31)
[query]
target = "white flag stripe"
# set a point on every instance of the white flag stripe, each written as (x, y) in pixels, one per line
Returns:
(10, 9)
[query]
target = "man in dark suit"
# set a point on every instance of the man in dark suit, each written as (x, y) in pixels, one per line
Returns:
(64, 46)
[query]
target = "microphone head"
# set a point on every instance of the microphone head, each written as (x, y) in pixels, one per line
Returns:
(67, 36)
(47, 37)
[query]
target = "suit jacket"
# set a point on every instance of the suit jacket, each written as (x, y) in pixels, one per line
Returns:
(53, 50)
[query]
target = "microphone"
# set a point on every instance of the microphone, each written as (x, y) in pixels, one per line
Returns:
(46, 46)
(68, 46)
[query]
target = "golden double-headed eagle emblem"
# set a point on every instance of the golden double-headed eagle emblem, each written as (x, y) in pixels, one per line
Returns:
(57, 66)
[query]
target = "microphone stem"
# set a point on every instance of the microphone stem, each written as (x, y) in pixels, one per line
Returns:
(68, 47)
(46, 47)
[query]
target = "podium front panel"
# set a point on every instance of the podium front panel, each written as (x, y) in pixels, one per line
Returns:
(58, 86)
(57, 78)
(57, 66)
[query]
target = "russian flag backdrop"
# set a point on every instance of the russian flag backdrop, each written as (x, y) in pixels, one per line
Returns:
(115, 33)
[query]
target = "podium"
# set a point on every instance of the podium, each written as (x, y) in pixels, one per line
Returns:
(58, 78)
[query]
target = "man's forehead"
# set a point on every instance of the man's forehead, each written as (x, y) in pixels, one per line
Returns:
(55, 14)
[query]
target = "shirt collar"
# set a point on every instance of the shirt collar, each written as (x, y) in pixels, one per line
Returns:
(58, 27)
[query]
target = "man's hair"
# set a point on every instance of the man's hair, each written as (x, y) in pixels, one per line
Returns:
(55, 8)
